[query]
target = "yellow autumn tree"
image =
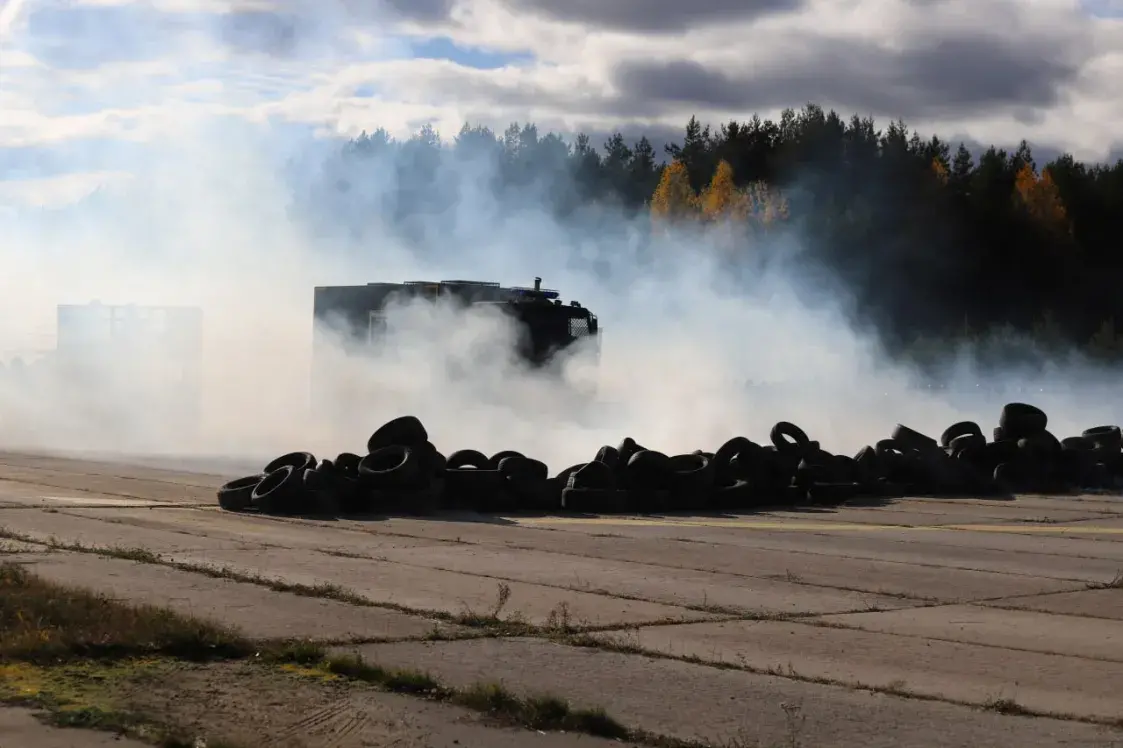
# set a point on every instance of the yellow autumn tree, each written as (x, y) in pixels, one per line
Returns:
(674, 198)
(940, 171)
(721, 198)
(1040, 197)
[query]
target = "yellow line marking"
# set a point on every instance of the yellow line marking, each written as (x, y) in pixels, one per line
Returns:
(809, 526)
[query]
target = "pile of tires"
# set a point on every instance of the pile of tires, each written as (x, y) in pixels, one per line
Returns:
(402, 472)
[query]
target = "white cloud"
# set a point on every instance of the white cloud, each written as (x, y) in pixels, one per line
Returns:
(991, 70)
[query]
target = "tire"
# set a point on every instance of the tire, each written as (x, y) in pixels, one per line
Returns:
(609, 456)
(627, 448)
(237, 495)
(469, 488)
(593, 476)
(964, 442)
(1105, 437)
(519, 469)
(433, 463)
(738, 495)
(299, 461)
(889, 449)
(468, 458)
(787, 437)
(649, 470)
(563, 477)
(692, 481)
(912, 439)
(280, 491)
(348, 464)
(595, 500)
(831, 494)
(963, 428)
(1078, 444)
(724, 471)
(527, 482)
(1021, 419)
(495, 459)
(391, 468)
(407, 431)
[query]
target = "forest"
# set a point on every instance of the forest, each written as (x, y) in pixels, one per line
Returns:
(937, 246)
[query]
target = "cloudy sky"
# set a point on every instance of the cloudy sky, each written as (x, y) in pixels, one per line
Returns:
(87, 87)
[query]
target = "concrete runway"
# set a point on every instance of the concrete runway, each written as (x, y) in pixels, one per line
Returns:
(916, 623)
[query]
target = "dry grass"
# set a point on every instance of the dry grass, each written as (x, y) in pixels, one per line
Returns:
(45, 622)
(546, 713)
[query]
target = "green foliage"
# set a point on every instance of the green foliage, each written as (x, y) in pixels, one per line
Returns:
(922, 233)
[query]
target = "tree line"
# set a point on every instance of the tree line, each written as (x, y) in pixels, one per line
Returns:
(936, 245)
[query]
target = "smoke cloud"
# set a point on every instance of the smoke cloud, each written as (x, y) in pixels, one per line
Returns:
(236, 219)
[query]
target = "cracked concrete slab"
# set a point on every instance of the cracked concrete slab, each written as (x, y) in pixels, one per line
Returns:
(692, 701)
(659, 583)
(1007, 553)
(446, 591)
(257, 611)
(1101, 603)
(953, 671)
(975, 624)
(810, 563)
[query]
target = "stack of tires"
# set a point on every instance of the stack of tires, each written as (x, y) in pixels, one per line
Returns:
(403, 472)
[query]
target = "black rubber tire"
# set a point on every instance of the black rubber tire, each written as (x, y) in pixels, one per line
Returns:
(527, 483)
(797, 439)
(478, 490)
(1021, 419)
(692, 481)
(595, 500)
(299, 461)
(433, 463)
(593, 475)
(965, 442)
(831, 494)
(889, 449)
(1077, 444)
(738, 495)
(237, 495)
(563, 477)
(406, 431)
(649, 470)
(318, 479)
(280, 491)
(627, 448)
(468, 458)
(520, 469)
(692, 472)
(912, 439)
(495, 459)
(609, 456)
(868, 465)
(1106, 437)
(348, 464)
(962, 428)
(391, 468)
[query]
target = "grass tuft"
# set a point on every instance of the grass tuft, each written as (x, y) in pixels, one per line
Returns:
(45, 622)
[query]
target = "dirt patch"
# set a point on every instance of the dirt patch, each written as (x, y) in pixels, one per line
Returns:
(21, 728)
(250, 703)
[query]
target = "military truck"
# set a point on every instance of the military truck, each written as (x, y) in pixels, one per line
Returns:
(545, 325)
